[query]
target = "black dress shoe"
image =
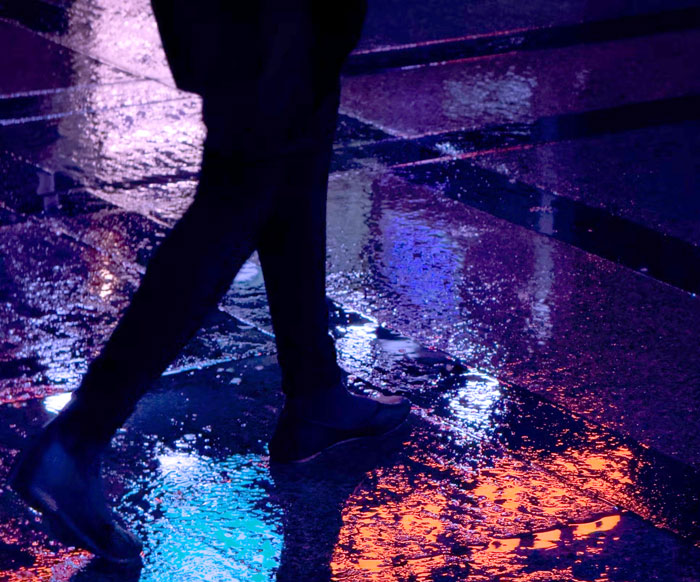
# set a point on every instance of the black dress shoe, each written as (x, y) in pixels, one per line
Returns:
(310, 425)
(67, 489)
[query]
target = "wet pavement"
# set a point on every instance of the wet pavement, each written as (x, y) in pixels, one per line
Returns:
(514, 236)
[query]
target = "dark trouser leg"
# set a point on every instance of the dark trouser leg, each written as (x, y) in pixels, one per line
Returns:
(185, 279)
(292, 251)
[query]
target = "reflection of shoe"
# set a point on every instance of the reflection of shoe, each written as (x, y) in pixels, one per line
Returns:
(310, 425)
(67, 489)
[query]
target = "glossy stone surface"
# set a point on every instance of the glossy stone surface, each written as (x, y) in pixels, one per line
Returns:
(524, 86)
(512, 244)
(522, 307)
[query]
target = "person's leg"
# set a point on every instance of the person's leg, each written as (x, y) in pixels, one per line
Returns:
(319, 411)
(292, 245)
(193, 267)
(292, 251)
(185, 279)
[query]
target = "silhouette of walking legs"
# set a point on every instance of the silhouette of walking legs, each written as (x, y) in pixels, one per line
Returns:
(262, 185)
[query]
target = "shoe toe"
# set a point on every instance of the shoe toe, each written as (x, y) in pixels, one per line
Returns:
(123, 546)
(391, 412)
(297, 439)
(67, 491)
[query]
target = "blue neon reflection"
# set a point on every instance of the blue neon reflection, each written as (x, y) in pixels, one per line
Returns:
(207, 520)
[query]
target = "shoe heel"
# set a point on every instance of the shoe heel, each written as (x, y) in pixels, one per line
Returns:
(59, 531)
(18, 480)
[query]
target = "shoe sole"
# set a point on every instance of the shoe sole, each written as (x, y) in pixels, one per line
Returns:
(60, 526)
(345, 442)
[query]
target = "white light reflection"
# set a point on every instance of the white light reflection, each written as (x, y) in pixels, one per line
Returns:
(107, 285)
(542, 279)
(357, 345)
(400, 347)
(57, 402)
(472, 404)
(487, 94)
(250, 271)
(207, 519)
(540, 287)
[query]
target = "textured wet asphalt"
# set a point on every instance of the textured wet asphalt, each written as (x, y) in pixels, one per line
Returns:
(514, 244)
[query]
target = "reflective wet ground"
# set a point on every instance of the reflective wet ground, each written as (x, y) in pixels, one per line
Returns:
(514, 233)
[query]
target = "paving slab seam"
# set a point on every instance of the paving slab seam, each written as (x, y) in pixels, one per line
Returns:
(357, 117)
(430, 53)
(88, 110)
(182, 176)
(396, 150)
(567, 126)
(71, 89)
(56, 187)
(53, 40)
(57, 41)
(53, 390)
(182, 366)
(15, 157)
(463, 144)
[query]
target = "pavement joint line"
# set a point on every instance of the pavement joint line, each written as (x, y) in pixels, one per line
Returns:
(19, 158)
(472, 155)
(6, 122)
(58, 42)
(544, 130)
(70, 89)
(522, 39)
(180, 176)
(60, 389)
(209, 364)
(388, 131)
(399, 152)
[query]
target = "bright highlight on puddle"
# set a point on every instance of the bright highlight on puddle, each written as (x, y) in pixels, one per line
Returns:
(206, 520)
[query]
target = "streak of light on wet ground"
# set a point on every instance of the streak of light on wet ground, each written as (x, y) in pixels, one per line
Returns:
(513, 244)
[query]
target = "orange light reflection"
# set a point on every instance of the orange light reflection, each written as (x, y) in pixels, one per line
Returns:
(403, 524)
